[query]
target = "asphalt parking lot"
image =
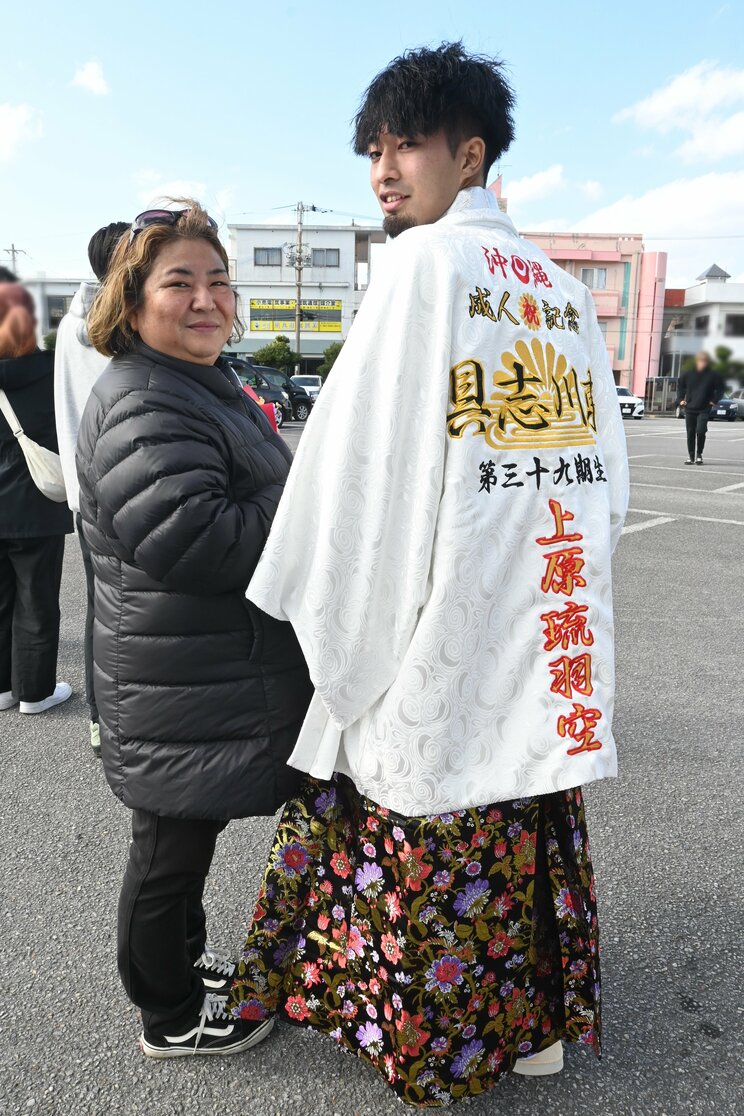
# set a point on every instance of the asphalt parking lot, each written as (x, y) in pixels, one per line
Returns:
(667, 837)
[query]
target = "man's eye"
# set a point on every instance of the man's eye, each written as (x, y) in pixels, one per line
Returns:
(407, 143)
(374, 155)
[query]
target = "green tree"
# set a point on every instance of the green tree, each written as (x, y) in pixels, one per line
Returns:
(50, 339)
(330, 356)
(277, 354)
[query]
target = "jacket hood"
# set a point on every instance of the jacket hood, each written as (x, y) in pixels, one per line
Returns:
(79, 308)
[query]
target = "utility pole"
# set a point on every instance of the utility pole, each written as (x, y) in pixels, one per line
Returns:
(299, 256)
(298, 278)
(13, 252)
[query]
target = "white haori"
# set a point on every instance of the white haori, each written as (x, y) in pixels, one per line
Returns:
(443, 547)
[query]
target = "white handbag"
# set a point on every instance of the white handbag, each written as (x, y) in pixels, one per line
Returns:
(44, 465)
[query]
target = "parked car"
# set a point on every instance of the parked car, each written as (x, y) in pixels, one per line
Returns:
(249, 376)
(301, 402)
(311, 384)
(724, 410)
(738, 397)
(631, 406)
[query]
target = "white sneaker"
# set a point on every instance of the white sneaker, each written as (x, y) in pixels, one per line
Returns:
(549, 1060)
(8, 700)
(62, 691)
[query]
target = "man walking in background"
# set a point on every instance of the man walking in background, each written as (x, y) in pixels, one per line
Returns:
(77, 366)
(698, 390)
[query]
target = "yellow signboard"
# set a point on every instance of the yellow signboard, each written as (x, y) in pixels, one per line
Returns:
(278, 315)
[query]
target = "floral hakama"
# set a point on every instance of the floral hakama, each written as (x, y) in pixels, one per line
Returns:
(439, 949)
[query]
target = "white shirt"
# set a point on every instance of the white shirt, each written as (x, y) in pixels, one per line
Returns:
(77, 366)
(443, 547)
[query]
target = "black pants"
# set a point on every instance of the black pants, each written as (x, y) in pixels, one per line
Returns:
(697, 427)
(30, 578)
(90, 696)
(162, 926)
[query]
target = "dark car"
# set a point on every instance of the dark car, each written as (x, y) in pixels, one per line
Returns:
(725, 410)
(249, 374)
(301, 402)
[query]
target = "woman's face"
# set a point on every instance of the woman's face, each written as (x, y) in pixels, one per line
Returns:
(188, 306)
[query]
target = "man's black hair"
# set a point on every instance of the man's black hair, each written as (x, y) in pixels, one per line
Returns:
(7, 276)
(102, 244)
(426, 90)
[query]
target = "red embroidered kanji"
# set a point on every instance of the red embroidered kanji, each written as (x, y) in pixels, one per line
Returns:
(563, 571)
(572, 675)
(561, 517)
(540, 276)
(580, 726)
(567, 626)
(494, 259)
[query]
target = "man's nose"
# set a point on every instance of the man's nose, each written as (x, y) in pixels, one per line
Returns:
(386, 168)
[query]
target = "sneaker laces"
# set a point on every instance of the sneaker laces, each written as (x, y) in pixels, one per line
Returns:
(212, 1009)
(217, 962)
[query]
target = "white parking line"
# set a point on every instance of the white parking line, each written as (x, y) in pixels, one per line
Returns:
(681, 515)
(634, 456)
(649, 523)
(730, 487)
(674, 469)
(672, 487)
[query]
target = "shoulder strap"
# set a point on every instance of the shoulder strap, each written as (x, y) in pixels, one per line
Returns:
(10, 414)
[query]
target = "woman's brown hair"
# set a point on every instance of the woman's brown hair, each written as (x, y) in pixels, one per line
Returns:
(17, 321)
(121, 292)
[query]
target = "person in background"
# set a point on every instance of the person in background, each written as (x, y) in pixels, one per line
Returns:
(429, 900)
(77, 366)
(698, 390)
(32, 528)
(200, 695)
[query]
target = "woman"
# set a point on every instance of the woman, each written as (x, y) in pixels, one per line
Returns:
(200, 695)
(32, 528)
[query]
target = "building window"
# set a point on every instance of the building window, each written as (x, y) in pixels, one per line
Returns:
(326, 257)
(603, 328)
(734, 326)
(701, 323)
(267, 257)
(57, 307)
(594, 277)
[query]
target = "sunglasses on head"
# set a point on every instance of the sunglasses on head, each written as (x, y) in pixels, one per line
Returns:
(161, 217)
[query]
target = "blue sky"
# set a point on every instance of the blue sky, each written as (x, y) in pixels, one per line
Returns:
(630, 117)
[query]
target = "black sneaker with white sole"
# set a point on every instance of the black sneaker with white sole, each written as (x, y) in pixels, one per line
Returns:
(215, 969)
(213, 1031)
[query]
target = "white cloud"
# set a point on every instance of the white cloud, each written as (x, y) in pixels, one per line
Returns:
(18, 125)
(533, 186)
(591, 189)
(90, 77)
(697, 102)
(695, 220)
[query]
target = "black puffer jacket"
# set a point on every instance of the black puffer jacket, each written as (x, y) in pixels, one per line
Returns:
(24, 512)
(200, 694)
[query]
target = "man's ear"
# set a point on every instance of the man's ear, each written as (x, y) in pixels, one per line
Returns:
(473, 157)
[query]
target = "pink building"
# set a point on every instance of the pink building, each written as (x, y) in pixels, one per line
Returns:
(627, 284)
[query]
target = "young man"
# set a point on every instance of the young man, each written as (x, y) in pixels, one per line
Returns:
(77, 366)
(698, 390)
(450, 585)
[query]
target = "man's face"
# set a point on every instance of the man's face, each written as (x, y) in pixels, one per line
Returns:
(417, 178)
(701, 363)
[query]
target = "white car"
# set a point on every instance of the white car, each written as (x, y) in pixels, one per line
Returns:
(631, 406)
(738, 395)
(311, 384)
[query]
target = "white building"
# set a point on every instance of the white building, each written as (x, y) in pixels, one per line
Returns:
(710, 314)
(52, 298)
(333, 283)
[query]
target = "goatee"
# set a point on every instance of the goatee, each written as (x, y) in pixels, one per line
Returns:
(394, 225)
